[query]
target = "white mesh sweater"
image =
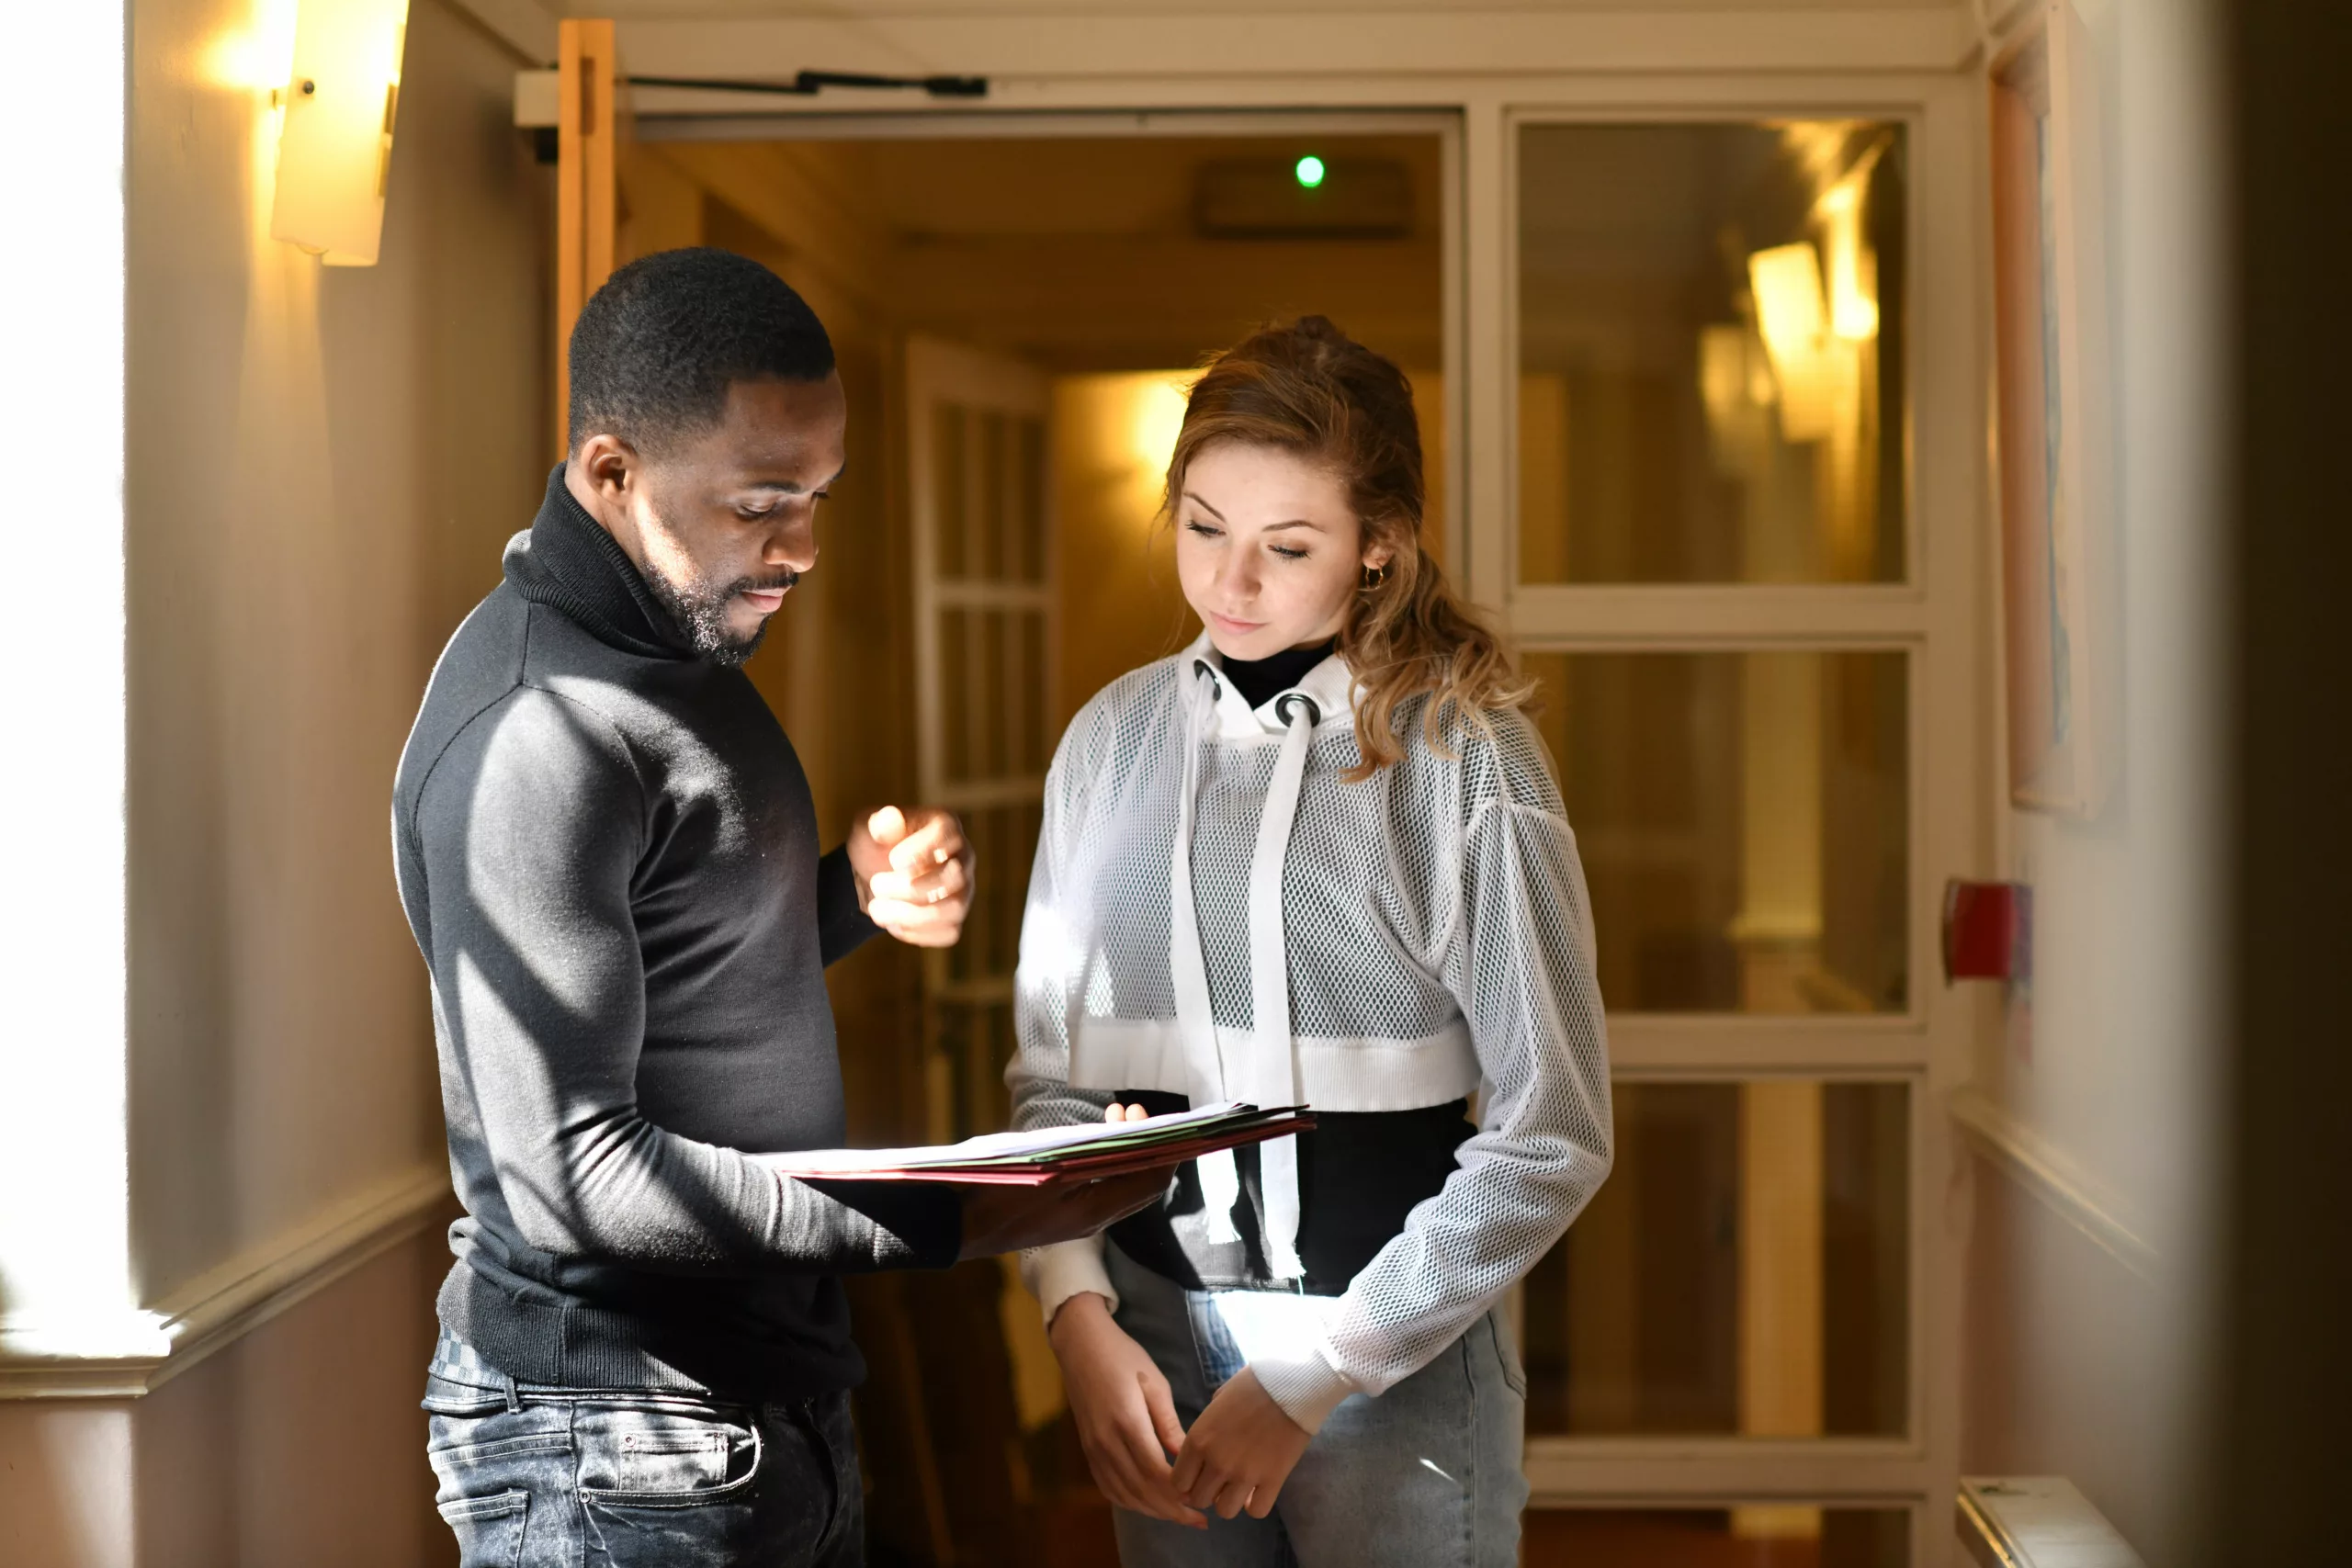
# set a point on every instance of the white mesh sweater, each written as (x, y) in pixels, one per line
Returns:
(1432, 927)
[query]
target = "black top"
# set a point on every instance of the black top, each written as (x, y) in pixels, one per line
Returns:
(1359, 1174)
(1258, 679)
(608, 855)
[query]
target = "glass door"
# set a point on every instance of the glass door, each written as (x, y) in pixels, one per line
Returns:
(987, 615)
(1714, 569)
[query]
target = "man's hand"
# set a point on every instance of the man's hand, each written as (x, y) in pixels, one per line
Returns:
(1240, 1452)
(1008, 1219)
(1120, 1403)
(914, 873)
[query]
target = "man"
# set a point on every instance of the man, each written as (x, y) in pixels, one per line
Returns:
(608, 856)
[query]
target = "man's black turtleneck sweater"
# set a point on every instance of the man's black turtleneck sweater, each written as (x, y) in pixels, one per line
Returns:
(608, 855)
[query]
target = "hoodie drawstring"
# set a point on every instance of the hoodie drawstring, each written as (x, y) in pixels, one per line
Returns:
(1270, 1076)
(1274, 1066)
(1220, 1180)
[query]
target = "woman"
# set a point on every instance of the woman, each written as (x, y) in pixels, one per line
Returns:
(1316, 858)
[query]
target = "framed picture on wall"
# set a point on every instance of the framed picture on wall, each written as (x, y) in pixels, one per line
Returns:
(2057, 528)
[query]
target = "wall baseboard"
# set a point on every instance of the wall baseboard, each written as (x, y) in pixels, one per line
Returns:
(2033, 1163)
(133, 1351)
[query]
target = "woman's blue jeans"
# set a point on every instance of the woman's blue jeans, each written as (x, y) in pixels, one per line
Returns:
(1427, 1475)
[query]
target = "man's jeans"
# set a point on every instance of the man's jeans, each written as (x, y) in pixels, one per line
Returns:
(1427, 1475)
(539, 1477)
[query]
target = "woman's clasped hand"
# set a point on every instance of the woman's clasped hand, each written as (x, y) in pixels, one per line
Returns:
(1234, 1459)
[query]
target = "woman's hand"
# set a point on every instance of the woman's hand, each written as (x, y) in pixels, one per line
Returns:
(1126, 1415)
(1240, 1452)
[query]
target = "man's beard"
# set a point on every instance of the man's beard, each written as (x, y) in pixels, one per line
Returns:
(699, 607)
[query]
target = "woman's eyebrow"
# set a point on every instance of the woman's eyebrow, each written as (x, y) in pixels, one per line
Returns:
(1194, 496)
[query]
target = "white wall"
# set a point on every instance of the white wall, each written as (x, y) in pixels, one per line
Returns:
(297, 1446)
(322, 467)
(323, 462)
(2084, 1315)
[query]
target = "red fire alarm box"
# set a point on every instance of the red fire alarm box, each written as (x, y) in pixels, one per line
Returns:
(1989, 930)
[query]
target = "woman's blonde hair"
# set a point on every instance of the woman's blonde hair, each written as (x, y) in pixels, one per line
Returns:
(1307, 387)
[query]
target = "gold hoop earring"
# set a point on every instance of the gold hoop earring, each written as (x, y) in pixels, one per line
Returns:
(1373, 576)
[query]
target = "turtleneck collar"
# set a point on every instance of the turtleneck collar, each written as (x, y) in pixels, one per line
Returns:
(567, 562)
(1260, 679)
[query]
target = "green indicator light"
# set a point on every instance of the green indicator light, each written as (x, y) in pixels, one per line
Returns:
(1310, 171)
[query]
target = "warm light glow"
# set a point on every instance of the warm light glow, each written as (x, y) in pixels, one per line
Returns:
(1722, 370)
(1853, 267)
(1157, 418)
(1735, 389)
(1310, 171)
(258, 57)
(1787, 281)
(334, 154)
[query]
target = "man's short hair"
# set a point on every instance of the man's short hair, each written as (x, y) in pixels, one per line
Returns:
(656, 348)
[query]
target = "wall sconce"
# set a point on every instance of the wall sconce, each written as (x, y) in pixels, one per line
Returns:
(1794, 321)
(1814, 327)
(334, 152)
(1853, 267)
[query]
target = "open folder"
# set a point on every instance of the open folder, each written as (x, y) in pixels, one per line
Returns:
(1086, 1151)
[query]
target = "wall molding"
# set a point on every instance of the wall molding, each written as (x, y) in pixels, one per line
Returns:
(2030, 1160)
(1016, 43)
(134, 1351)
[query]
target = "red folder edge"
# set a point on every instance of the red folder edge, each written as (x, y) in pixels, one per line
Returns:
(1092, 1168)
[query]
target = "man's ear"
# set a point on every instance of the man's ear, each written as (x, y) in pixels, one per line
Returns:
(610, 465)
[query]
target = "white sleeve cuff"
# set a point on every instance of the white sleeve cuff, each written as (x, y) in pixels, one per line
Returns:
(1067, 1268)
(1308, 1390)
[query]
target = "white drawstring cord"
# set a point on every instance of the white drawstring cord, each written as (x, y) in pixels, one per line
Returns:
(1273, 1068)
(1220, 1179)
(1270, 1076)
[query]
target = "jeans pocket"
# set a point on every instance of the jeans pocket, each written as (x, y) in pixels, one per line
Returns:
(489, 1529)
(665, 1455)
(1514, 1370)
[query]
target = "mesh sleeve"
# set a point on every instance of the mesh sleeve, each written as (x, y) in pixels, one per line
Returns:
(1520, 962)
(1050, 970)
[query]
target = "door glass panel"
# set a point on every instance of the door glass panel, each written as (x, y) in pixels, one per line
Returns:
(1004, 842)
(1028, 468)
(1766, 1536)
(1742, 1272)
(949, 431)
(1035, 738)
(955, 712)
(988, 673)
(975, 1043)
(1744, 820)
(987, 483)
(1711, 323)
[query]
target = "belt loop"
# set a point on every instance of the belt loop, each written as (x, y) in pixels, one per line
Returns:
(513, 1394)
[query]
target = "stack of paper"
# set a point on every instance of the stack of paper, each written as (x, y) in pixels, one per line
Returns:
(1089, 1151)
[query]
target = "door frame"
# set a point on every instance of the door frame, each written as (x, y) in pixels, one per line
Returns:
(796, 123)
(1941, 614)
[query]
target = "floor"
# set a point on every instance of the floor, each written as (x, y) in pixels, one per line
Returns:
(1078, 1535)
